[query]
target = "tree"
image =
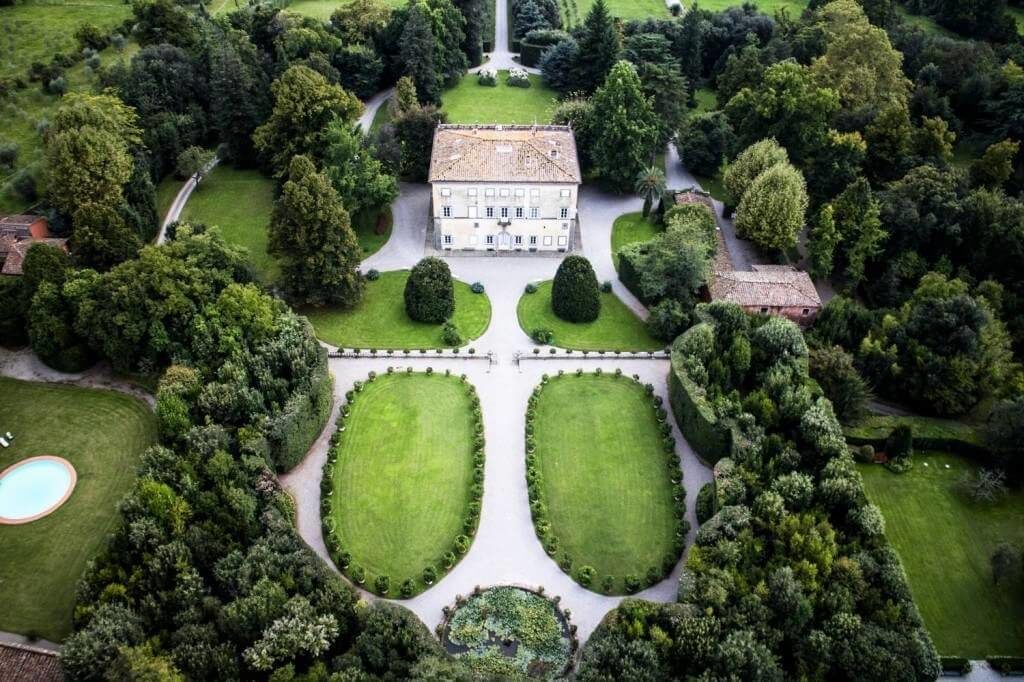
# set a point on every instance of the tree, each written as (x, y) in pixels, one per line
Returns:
(404, 99)
(650, 184)
(418, 49)
(888, 138)
(304, 104)
(1005, 561)
(859, 64)
(101, 238)
(833, 369)
(243, 97)
(985, 486)
(88, 151)
(995, 166)
(750, 163)
(772, 210)
(310, 233)
(574, 294)
(558, 65)
(933, 141)
(824, 238)
(690, 49)
(357, 176)
(986, 19)
(667, 320)
(1004, 433)
(626, 128)
(665, 89)
(429, 292)
(705, 141)
(415, 134)
(859, 231)
(164, 21)
(195, 162)
(598, 47)
(360, 21)
(473, 12)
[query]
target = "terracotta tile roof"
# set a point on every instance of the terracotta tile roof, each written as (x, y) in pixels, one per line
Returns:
(22, 227)
(16, 255)
(769, 287)
(20, 663)
(511, 153)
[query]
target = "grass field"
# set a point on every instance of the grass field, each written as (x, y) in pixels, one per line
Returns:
(629, 9)
(945, 542)
(239, 202)
(379, 321)
(470, 102)
(322, 9)
(365, 227)
(102, 434)
(768, 7)
(629, 228)
(616, 328)
(605, 482)
(403, 476)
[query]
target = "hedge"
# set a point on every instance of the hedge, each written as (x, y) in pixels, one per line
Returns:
(1006, 665)
(535, 43)
(302, 420)
(955, 665)
(929, 434)
(696, 418)
(629, 275)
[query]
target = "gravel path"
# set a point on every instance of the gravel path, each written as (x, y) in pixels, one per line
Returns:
(23, 364)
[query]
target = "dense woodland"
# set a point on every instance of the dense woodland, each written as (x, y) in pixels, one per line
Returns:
(847, 119)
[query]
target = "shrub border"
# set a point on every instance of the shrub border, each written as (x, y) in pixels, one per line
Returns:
(460, 544)
(538, 511)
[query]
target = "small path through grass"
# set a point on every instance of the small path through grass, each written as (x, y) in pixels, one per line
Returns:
(380, 321)
(616, 328)
(604, 476)
(403, 475)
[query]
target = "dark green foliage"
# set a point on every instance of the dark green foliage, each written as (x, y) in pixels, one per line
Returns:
(429, 293)
(667, 319)
(705, 504)
(558, 65)
(900, 443)
(705, 141)
(243, 95)
(163, 21)
(625, 128)
(833, 369)
(598, 47)
(574, 293)
(360, 70)
(418, 54)
(414, 132)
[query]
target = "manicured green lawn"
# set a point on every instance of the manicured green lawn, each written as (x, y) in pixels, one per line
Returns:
(605, 479)
(945, 542)
(403, 475)
(103, 435)
(616, 328)
(322, 9)
(379, 321)
(628, 9)
(628, 229)
(365, 227)
(239, 202)
(768, 7)
(470, 102)
(380, 117)
(879, 426)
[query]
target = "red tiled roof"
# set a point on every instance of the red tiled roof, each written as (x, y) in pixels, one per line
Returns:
(16, 255)
(20, 663)
(766, 287)
(504, 153)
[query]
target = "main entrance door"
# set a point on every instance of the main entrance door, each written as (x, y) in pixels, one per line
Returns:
(504, 241)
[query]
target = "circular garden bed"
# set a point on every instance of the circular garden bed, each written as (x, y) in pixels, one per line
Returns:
(604, 481)
(509, 632)
(401, 489)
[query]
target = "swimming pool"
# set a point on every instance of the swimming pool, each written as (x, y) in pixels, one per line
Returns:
(34, 487)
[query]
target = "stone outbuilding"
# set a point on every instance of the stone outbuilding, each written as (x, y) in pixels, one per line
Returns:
(769, 290)
(17, 234)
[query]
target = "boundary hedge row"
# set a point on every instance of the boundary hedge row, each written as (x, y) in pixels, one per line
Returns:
(296, 428)
(929, 434)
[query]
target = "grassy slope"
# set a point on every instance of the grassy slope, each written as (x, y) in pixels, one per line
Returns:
(880, 425)
(629, 228)
(629, 9)
(102, 434)
(380, 320)
(35, 30)
(945, 542)
(469, 102)
(616, 328)
(322, 9)
(239, 202)
(604, 477)
(365, 227)
(402, 481)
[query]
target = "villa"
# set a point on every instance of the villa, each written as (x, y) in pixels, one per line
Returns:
(504, 188)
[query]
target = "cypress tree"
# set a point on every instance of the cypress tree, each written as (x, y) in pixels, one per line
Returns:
(599, 47)
(626, 128)
(418, 53)
(574, 293)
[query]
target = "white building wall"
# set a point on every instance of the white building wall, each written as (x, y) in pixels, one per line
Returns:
(504, 217)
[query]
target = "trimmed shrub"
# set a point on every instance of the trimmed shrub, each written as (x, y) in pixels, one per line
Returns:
(574, 293)
(705, 503)
(8, 154)
(407, 588)
(1006, 664)
(957, 665)
(487, 77)
(429, 575)
(429, 293)
(543, 336)
(517, 78)
(585, 576)
(606, 286)
(667, 320)
(477, 288)
(372, 275)
(531, 288)
(382, 584)
(450, 334)
(900, 443)
(632, 583)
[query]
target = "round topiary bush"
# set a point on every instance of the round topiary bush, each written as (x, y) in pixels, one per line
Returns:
(574, 294)
(477, 288)
(372, 275)
(429, 293)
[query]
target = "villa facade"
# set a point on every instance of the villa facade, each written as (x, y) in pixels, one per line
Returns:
(504, 188)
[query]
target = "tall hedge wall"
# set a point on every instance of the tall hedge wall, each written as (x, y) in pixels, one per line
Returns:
(696, 419)
(303, 418)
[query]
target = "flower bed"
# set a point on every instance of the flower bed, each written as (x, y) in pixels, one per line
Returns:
(509, 632)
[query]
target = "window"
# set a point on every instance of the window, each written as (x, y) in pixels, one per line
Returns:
(489, 192)
(490, 211)
(447, 239)
(533, 240)
(503, 191)
(547, 241)
(471, 192)
(534, 212)
(519, 211)
(564, 193)
(534, 192)
(490, 239)
(520, 192)
(446, 191)
(446, 211)
(807, 311)
(562, 241)
(764, 310)
(504, 211)
(519, 239)
(563, 213)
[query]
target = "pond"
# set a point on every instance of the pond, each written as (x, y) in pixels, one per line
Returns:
(510, 631)
(34, 487)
